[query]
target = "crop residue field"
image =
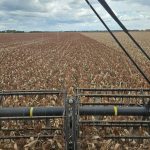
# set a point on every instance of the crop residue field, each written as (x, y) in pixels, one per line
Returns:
(67, 60)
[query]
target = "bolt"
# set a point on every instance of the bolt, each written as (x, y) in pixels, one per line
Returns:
(70, 101)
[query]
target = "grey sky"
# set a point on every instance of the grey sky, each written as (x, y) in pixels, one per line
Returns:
(71, 14)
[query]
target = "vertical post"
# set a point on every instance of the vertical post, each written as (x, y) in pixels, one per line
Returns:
(77, 105)
(47, 121)
(1, 98)
(74, 123)
(71, 124)
(66, 123)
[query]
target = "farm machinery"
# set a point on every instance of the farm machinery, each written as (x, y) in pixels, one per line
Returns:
(70, 122)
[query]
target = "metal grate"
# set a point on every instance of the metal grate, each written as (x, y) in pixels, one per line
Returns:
(104, 113)
(21, 123)
(110, 112)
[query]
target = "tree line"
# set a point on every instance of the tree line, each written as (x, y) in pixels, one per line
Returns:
(16, 31)
(11, 31)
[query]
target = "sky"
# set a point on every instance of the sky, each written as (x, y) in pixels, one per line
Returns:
(64, 15)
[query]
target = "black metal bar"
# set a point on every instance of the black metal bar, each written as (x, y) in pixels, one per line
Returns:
(126, 137)
(85, 110)
(114, 95)
(23, 93)
(118, 42)
(115, 123)
(106, 104)
(36, 111)
(117, 137)
(1, 98)
(41, 90)
(28, 136)
(74, 123)
(31, 118)
(110, 11)
(115, 89)
(109, 111)
(30, 129)
(118, 125)
(70, 124)
(67, 124)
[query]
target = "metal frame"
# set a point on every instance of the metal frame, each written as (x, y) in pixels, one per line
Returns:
(74, 108)
(32, 114)
(113, 106)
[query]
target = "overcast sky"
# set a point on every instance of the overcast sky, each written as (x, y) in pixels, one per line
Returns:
(51, 15)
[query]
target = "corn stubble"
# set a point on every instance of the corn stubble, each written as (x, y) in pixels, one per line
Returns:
(64, 60)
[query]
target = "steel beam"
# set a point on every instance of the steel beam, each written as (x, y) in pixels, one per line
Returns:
(85, 110)
(114, 90)
(31, 111)
(114, 110)
(27, 92)
(120, 123)
(114, 95)
(28, 136)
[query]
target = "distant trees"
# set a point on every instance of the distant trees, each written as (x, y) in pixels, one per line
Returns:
(35, 31)
(16, 31)
(147, 30)
(11, 31)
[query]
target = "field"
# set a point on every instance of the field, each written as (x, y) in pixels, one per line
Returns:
(68, 60)
(141, 37)
(105, 38)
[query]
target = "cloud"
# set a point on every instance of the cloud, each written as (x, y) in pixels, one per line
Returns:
(69, 14)
(143, 2)
(24, 5)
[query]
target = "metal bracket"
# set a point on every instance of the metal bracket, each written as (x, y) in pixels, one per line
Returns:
(1, 104)
(71, 123)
